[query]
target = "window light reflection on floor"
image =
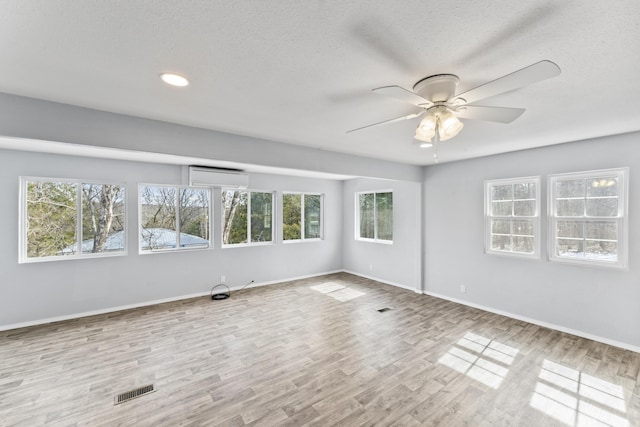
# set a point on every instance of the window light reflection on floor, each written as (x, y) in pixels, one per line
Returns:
(480, 358)
(577, 399)
(337, 291)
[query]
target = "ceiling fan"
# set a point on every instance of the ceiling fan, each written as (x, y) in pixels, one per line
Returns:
(442, 107)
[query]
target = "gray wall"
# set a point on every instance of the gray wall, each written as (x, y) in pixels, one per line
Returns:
(36, 291)
(49, 121)
(399, 263)
(592, 301)
(436, 231)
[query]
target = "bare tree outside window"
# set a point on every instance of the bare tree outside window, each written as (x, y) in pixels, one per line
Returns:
(247, 217)
(59, 213)
(51, 216)
(174, 217)
(102, 214)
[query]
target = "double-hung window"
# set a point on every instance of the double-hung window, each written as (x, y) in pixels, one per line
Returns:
(374, 216)
(67, 218)
(588, 217)
(174, 218)
(302, 216)
(512, 216)
(247, 217)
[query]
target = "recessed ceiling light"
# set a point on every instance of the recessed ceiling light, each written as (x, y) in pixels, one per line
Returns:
(174, 79)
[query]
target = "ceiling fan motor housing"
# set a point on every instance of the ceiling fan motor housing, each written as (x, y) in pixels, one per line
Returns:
(438, 88)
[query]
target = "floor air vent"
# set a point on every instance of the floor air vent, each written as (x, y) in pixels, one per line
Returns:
(382, 310)
(124, 397)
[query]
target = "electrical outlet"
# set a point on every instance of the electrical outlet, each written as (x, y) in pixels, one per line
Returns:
(463, 289)
(370, 267)
(222, 279)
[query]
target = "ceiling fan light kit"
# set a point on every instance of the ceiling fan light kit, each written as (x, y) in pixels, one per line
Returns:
(439, 120)
(443, 108)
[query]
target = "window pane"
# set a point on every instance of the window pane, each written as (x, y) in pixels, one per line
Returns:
(524, 191)
(602, 207)
(604, 251)
(572, 207)
(312, 204)
(158, 217)
(606, 230)
(501, 243)
(501, 226)
(291, 216)
(523, 227)
(52, 216)
(367, 216)
(194, 217)
(524, 208)
(602, 187)
(502, 208)
(103, 218)
(384, 209)
(261, 217)
(570, 188)
(572, 229)
(502, 192)
(570, 248)
(523, 244)
(234, 227)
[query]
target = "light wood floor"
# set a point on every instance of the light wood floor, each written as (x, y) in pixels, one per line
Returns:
(291, 355)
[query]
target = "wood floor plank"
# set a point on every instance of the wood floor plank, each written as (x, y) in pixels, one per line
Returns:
(289, 355)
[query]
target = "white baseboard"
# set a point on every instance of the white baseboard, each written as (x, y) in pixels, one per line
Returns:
(146, 303)
(399, 285)
(386, 282)
(289, 279)
(95, 312)
(581, 334)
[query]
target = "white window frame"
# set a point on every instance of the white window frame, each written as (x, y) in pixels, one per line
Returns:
(375, 218)
(249, 242)
(178, 248)
(22, 226)
(621, 219)
(303, 237)
(489, 216)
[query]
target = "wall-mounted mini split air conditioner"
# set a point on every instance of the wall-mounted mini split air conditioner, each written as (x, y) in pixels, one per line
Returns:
(202, 176)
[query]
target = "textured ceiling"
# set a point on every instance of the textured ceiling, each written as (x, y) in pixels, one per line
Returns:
(301, 72)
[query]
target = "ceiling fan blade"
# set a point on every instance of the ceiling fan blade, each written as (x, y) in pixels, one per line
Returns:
(397, 119)
(489, 114)
(533, 73)
(403, 94)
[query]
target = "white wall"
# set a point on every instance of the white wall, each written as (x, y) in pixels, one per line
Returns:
(399, 263)
(36, 291)
(597, 302)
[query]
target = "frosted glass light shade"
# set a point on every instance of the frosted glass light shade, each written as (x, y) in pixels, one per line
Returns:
(449, 125)
(426, 129)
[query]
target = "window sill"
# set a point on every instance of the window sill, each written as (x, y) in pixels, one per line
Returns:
(246, 245)
(380, 241)
(521, 255)
(585, 262)
(286, 242)
(168, 250)
(71, 257)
